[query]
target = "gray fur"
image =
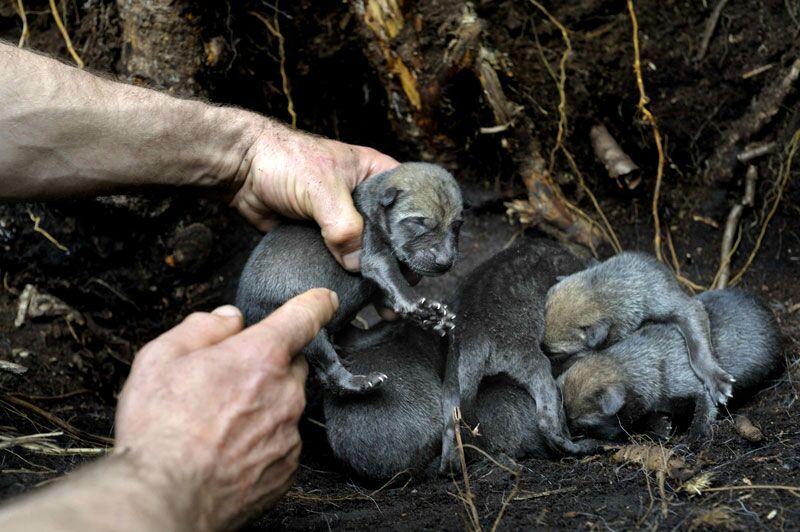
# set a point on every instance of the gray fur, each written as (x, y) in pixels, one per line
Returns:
(506, 419)
(500, 325)
(412, 216)
(398, 426)
(649, 370)
(608, 302)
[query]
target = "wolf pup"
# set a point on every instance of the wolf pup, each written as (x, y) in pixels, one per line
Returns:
(607, 391)
(500, 325)
(607, 302)
(398, 426)
(505, 415)
(412, 216)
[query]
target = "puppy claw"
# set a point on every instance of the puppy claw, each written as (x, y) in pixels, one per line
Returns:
(362, 384)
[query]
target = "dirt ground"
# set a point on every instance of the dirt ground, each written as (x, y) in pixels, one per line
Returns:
(116, 271)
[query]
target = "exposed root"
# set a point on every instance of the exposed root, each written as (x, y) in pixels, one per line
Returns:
(560, 81)
(711, 25)
(12, 403)
(275, 29)
(26, 34)
(648, 116)
(732, 229)
(722, 164)
(783, 178)
(64, 34)
(37, 228)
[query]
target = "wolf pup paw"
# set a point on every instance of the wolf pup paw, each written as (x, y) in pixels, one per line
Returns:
(720, 385)
(360, 384)
(433, 315)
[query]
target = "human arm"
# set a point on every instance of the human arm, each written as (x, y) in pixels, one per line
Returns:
(206, 429)
(67, 133)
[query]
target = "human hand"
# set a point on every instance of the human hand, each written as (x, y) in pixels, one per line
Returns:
(211, 411)
(295, 174)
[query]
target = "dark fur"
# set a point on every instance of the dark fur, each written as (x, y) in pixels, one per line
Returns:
(608, 302)
(398, 426)
(412, 216)
(506, 419)
(606, 392)
(499, 329)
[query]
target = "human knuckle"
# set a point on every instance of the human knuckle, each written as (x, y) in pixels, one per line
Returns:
(202, 320)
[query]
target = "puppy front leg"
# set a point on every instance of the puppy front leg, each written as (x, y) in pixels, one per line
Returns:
(380, 266)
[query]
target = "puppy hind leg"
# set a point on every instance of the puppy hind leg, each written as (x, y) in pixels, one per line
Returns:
(450, 401)
(536, 376)
(695, 327)
(323, 357)
(705, 412)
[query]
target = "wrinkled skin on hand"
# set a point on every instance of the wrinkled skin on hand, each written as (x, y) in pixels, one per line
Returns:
(298, 175)
(212, 410)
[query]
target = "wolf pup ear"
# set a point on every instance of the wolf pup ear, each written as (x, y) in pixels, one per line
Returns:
(612, 400)
(596, 334)
(389, 196)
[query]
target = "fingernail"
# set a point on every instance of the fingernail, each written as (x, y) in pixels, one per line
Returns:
(227, 311)
(352, 261)
(334, 298)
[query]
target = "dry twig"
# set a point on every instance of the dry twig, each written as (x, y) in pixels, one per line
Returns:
(783, 178)
(728, 247)
(13, 401)
(466, 496)
(711, 25)
(721, 165)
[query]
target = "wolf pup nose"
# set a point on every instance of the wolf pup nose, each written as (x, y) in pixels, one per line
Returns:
(606, 392)
(412, 217)
(608, 302)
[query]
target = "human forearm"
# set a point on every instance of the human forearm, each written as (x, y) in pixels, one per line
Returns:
(65, 132)
(122, 493)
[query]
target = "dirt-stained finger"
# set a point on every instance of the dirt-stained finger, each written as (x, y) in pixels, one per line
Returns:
(292, 326)
(341, 224)
(196, 331)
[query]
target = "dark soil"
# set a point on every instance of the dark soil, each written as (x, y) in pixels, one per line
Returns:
(120, 270)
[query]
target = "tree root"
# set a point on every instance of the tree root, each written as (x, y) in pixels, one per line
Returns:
(732, 229)
(783, 178)
(64, 34)
(722, 164)
(275, 29)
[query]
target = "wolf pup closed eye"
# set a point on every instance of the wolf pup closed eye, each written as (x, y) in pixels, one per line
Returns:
(606, 392)
(412, 216)
(609, 301)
